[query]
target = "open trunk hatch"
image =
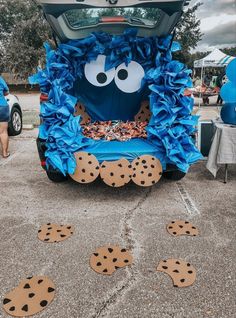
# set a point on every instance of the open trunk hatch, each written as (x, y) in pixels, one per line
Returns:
(76, 19)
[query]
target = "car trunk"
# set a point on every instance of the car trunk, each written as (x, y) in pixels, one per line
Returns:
(108, 67)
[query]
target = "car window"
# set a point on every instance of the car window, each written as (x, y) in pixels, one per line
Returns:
(80, 18)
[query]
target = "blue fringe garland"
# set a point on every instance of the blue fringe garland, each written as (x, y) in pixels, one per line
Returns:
(171, 123)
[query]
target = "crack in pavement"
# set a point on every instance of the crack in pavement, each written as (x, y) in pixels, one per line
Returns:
(127, 234)
(133, 273)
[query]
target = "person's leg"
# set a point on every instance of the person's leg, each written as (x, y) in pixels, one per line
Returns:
(4, 139)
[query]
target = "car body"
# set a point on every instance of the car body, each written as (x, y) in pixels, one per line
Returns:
(75, 20)
(15, 124)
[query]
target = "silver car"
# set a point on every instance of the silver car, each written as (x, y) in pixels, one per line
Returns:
(15, 124)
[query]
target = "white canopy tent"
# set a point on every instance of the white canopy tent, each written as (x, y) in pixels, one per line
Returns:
(214, 59)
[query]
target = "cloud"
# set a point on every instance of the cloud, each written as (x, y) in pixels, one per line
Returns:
(215, 7)
(221, 35)
(218, 23)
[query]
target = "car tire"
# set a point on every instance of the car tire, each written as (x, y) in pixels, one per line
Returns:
(15, 124)
(56, 176)
(175, 175)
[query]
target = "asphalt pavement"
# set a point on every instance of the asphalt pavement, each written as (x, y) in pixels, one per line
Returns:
(132, 217)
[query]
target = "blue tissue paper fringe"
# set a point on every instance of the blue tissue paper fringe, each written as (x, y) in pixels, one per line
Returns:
(171, 123)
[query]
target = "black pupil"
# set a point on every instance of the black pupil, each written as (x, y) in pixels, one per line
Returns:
(122, 74)
(101, 78)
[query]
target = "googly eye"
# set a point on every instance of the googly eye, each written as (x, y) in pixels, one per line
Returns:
(129, 78)
(95, 72)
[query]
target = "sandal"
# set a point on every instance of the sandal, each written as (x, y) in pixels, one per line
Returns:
(5, 157)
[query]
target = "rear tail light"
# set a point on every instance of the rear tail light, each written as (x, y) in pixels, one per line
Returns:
(43, 163)
(43, 98)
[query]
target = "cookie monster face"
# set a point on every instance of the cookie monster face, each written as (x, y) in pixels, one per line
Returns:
(113, 94)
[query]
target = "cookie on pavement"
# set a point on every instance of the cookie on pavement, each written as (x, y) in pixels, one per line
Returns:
(30, 297)
(182, 273)
(54, 233)
(181, 227)
(107, 259)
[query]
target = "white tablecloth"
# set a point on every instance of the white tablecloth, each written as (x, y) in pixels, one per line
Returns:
(223, 148)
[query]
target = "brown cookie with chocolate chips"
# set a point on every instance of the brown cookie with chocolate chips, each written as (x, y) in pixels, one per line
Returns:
(87, 168)
(54, 233)
(116, 173)
(106, 260)
(80, 111)
(147, 170)
(30, 297)
(181, 227)
(144, 114)
(182, 273)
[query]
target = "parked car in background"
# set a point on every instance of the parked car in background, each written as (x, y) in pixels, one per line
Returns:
(15, 124)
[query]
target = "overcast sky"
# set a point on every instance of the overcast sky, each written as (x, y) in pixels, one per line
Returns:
(218, 23)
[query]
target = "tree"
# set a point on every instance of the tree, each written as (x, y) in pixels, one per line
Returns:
(196, 56)
(188, 33)
(23, 31)
(230, 51)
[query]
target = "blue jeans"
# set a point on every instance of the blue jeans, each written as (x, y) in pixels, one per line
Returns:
(4, 114)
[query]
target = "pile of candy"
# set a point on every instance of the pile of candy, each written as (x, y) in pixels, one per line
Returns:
(115, 130)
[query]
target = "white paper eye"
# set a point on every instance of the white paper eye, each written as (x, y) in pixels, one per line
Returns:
(95, 72)
(129, 78)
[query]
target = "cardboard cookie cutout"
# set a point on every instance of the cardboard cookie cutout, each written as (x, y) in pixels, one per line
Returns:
(181, 227)
(87, 169)
(80, 111)
(54, 233)
(106, 260)
(144, 114)
(147, 170)
(116, 173)
(30, 297)
(182, 273)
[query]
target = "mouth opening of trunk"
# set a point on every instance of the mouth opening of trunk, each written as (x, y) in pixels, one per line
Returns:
(113, 103)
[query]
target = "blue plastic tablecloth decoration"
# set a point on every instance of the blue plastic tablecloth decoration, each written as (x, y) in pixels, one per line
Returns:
(165, 81)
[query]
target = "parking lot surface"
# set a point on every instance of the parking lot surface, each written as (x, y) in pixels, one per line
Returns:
(132, 217)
